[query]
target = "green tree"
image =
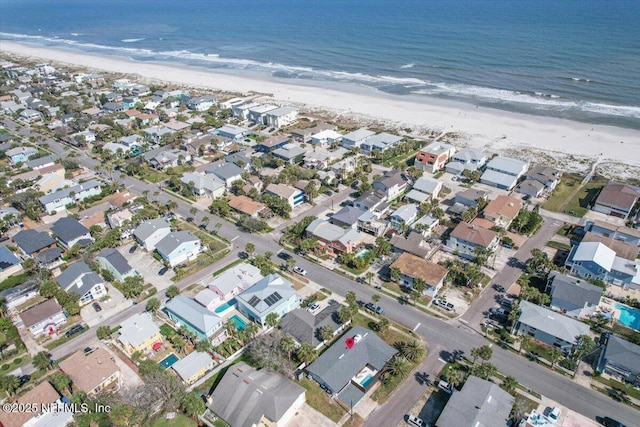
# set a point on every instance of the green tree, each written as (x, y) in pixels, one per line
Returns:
(42, 361)
(382, 325)
(455, 377)
(395, 274)
(288, 345)
(411, 350)
(419, 285)
(509, 384)
(272, 320)
(172, 291)
(192, 405)
(148, 367)
(9, 383)
(178, 343)
(250, 248)
(61, 382)
(153, 305)
(350, 298)
(326, 333)
(383, 247)
(525, 342)
(370, 275)
(121, 413)
(554, 356)
(103, 332)
(311, 191)
(306, 353)
(132, 286)
(584, 345)
(204, 346)
(399, 367)
(345, 315)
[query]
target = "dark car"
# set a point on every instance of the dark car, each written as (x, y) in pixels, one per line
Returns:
(328, 193)
(284, 255)
(374, 307)
(24, 379)
(133, 248)
(75, 330)
(87, 350)
(163, 270)
(96, 306)
(610, 422)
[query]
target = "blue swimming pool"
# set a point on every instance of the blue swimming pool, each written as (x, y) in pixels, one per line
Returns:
(362, 253)
(168, 361)
(225, 306)
(365, 383)
(237, 320)
(629, 317)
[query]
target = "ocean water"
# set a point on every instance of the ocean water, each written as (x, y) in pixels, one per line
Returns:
(576, 59)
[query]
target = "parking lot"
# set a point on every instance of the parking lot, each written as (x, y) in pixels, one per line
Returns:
(148, 267)
(116, 303)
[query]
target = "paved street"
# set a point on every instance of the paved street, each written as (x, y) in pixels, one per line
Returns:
(448, 336)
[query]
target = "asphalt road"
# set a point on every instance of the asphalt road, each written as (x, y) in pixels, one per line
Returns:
(448, 336)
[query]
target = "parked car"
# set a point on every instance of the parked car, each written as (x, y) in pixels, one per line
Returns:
(96, 306)
(499, 310)
(24, 379)
(328, 193)
(300, 271)
(133, 248)
(87, 350)
(554, 413)
(74, 330)
(415, 421)
(163, 270)
(313, 307)
(284, 255)
(443, 304)
(445, 386)
(374, 307)
(610, 422)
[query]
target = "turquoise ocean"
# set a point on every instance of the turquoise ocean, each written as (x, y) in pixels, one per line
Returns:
(575, 59)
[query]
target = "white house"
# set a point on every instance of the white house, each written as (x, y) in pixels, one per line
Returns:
(280, 117)
(44, 318)
(325, 137)
(150, 232)
(356, 138)
(204, 185)
(272, 294)
(82, 281)
(178, 246)
(202, 103)
(61, 198)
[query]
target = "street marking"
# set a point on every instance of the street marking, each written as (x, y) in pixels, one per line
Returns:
(443, 361)
(279, 251)
(463, 321)
(234, 238)
(414, 329)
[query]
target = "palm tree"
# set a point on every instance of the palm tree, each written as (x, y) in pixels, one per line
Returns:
(399, 367)
(555, 355)
(345, 315)
(350, 298)
(272, 319)
(455, 377)
(326, 333)
(375, 298)
(193, 211)
(306, 353)
(42, 361)
(252, 329)
(509, 384)
(525, 342)
(9, 383)
(370, 275)
(288, 345)
(250, 248)
(204, 346)
(395, 274)
(178, 343)
(412, 350)
(290, 263)
(60, 382)
(153, 305)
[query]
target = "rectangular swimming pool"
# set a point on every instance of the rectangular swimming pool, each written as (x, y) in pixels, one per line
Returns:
(225, 306)
(362, 253)
(237, 320)
(168, 361)
(629, 316)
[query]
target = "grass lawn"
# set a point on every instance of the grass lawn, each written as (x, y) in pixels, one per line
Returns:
(320, 401)
(568, 183)
(167, 330)
(227, 267)
(179, 421)
(578, 203)
(559, 245)
(617, 385)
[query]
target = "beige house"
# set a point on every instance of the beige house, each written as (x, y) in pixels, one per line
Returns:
(93, 372)
(139, 333)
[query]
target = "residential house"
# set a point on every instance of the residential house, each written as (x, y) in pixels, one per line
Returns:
(230, 103)
(271, 294)
(203, 184)
(334, 239)
(325, 137)
(572, 296)
(235, 133)
(42, 162)
(112, 261)
(375, 202)
(434, 156)
(469, 198)
(479, 403)
(169, 158)
(622, 249)
(226, 172)
(595, 260)
(304, 326)
(612, 231)
(466, 238)
(31, 116)
(429, 186)
(290, 153)
(617, 200)
(320, 159)
(356, 138)
(344, 167)
(502, 210)
(403, 217)
(70, 232)
(119, 218)
(235, 280)
(82, 281)
(280, 117)
(61, 198)
(93, 372)
(32, 242)
(504, 172)
(250, 397)
(20, 154)
(531, 188)
(44, 318)
(549, 327)
(545, 175)
(19, 294)
(470, 159)
(202, 103)
(258, 113)
(425, 225)
(292, 195)
(370, 223)
(83, 137)
(193, 366)
(380, 143)
(179, 246)
(247, 206)
(412, 267)
(347, 217)
(304, 135)
(349, 368)
(413, 244)
(150, 232)
(51, 411)
(9, 264)
(197, 319)
(271, 144)
(139, 333)
(621, 359)
(392, 184)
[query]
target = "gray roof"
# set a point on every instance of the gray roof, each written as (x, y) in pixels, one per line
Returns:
(507, 165)
(193, 363)
(225, 170)
(417, 196)
(68, 228)
(193, 313)
(242, 275)
(138, 329)
(289, 151)
(406, 212)
(470, 194)
(574, 291)
(42, 161)
(65, 192)
(116, 260)
(173, 240)
(554, 324)
(49, 255)
(623, 353)
(383, 139)
(282, 111)
(358, 135)
(78, 269)
(147, 228)
(479, 403)
(265, 288)
(305, 327)
(245, 395)
(337, 365)
(40, 312)
(7, 258)
(324, 230)
(427, 185)
(468, 155)
(347, 215)
(413, 244)
(369, 199)
(9, 210)
(31, 241)
(498, 178)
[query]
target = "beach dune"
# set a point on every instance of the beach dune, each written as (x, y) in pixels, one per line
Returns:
(496, 130)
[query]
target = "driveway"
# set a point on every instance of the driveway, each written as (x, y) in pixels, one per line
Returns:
(115, 304)
(307, 416)
(148, 267)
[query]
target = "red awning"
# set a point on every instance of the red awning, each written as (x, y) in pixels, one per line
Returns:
(157, 345)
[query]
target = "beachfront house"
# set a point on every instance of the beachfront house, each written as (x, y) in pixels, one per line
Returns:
(258, 113)
(325, 138)
(380, 143)
(280, 117)
(201, 103)
(271, 294)
(184, 311)
(434, 156)
(617, 200)
(232, 132)
(595, 260)
(470, 159)
(504, 172)
(412, 267)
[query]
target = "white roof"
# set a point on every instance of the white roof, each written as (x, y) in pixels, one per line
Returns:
(137, 329)
(190, 365)
(359, 134)
(596, 252)
(242, 275)
(327, 134)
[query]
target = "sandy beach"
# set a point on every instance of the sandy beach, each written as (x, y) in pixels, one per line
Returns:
(489, 129)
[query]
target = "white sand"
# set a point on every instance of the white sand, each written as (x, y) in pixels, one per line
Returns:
(486, 128)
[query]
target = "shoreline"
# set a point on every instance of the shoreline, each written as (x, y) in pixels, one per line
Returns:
(481, 127)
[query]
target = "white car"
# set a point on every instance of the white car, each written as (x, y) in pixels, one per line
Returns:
(415, 421)
(300, 271)
(443, 304)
